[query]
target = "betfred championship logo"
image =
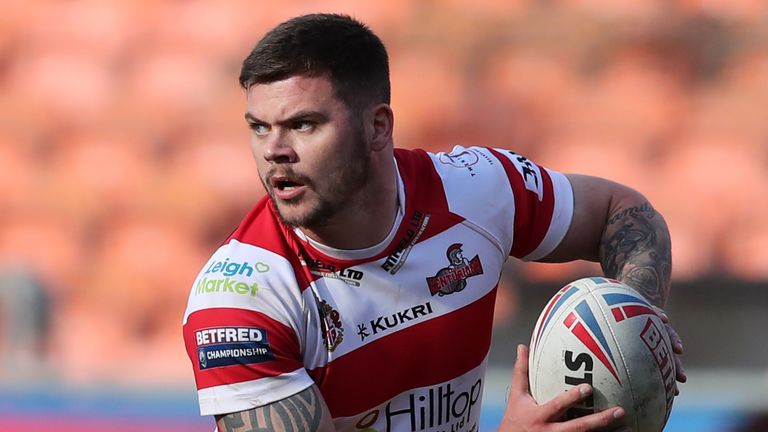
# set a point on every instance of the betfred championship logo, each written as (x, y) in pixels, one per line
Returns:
(453, 278)
(229, 346)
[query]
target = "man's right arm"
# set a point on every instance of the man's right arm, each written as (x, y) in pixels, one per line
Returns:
(304, 411)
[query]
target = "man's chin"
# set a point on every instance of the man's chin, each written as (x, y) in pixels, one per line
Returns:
(299, 216)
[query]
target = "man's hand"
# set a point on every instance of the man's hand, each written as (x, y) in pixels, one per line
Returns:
(523, 414)
(677, 348)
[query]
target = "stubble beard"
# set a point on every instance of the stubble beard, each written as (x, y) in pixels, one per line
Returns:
(336, 195)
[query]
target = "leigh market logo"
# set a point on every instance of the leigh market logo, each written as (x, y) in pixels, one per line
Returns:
(453, 278)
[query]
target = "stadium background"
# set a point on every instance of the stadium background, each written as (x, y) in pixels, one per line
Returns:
(124, 160)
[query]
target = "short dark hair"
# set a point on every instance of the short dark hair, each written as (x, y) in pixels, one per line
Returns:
(347, 50)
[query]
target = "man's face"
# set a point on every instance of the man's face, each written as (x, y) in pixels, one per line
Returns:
(311, 154)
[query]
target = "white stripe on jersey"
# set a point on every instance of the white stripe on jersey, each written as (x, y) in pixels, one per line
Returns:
(245, 395)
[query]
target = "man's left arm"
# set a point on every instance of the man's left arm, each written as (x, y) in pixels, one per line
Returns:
(635, 247)
(618, 227)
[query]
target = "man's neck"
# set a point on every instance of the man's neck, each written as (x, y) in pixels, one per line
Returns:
(370, 215)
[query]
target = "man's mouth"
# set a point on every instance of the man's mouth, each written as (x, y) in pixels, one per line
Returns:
(284, 184)
(286, 188)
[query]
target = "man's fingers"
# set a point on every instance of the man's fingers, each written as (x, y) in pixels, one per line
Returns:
(520, 371)
(556, 408)
(677, 349)
(663, 315)
(595, 421)
(680, 371)
(674, 338)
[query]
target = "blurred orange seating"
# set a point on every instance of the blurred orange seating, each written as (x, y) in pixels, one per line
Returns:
(707, 184)
(73, 89)
(632, 96)
(166, 90)
(735, 104)
(208, 181)
(744, 248)
(141, 264)
(378, 15)
(218, 31)
(221, 163)
(489, 9)
(94, 174)
(614, 9)
(45, 245)
(623, 158)
(749, 70)
(538, 80)
(92, 28)
(742, 10)
(134, 290)
(427, 90)
(19, 174)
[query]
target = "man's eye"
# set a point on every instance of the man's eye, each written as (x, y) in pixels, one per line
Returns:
(304, 126)
(258, 128)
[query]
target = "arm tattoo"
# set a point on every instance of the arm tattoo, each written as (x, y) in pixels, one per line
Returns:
(635, 249)
(298, 413)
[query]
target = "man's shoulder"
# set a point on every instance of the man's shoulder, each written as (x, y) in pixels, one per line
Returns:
(468, 174)
(261, 249)
(262, 229)
(250, 278)
(471, 163)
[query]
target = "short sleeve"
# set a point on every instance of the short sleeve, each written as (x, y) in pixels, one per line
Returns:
(543, 203)
(526, 208)
(243, 330)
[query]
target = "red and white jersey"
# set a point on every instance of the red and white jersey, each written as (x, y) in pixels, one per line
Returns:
(396, 336)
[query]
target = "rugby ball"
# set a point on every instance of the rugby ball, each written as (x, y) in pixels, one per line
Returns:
(602, 332)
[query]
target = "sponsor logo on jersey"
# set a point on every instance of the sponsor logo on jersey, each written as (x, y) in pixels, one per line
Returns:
(442, 408)
(208, 286)
(228, 346)
(333, 330)
(416, 227)
(653, 339)
(384, 323)
(319, 268)
(530, 173)
(462, 159)
(453, 278)
(232, 268)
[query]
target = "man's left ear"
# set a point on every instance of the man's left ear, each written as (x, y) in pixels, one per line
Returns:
(383, 122)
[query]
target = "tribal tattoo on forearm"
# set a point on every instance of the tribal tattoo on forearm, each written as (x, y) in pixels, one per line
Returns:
(298, 413)
(636, 250)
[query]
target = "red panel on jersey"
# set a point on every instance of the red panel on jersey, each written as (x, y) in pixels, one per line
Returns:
(262, 228)
(425, 192)
(228, 345)
(532, 217)
(435, 351)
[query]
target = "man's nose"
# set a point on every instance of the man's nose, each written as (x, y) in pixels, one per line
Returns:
(279, 150)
